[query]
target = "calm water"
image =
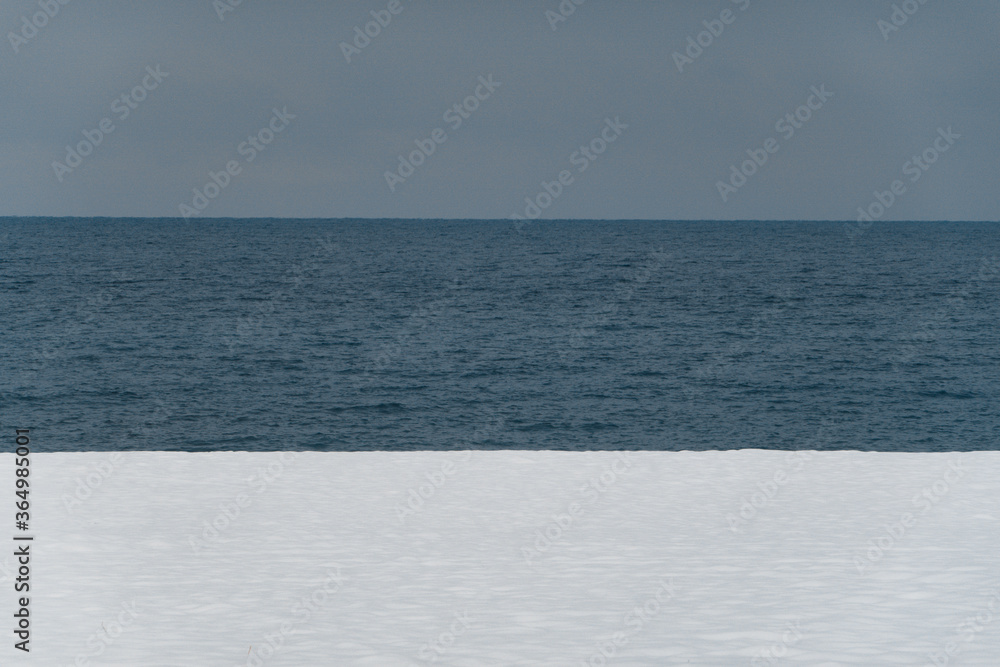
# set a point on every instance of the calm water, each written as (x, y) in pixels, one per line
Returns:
(354, 335)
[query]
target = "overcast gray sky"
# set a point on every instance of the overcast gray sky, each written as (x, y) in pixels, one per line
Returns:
(221, 78)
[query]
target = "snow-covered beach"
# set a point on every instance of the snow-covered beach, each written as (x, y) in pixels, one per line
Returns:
(512, 558)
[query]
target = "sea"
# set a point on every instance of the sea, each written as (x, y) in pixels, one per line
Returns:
(361, 335)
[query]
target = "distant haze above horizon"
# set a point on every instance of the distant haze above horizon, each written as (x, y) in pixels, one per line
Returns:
(725, 110)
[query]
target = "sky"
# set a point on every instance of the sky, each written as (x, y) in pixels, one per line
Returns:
(599, 110)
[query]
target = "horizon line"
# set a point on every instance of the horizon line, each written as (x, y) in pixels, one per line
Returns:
(524, 222)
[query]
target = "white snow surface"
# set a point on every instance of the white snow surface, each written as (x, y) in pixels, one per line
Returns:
(743, 557)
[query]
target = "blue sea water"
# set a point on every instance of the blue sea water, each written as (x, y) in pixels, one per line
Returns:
(258, 335)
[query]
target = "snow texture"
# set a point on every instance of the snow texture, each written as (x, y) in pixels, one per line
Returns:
(511, 558)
